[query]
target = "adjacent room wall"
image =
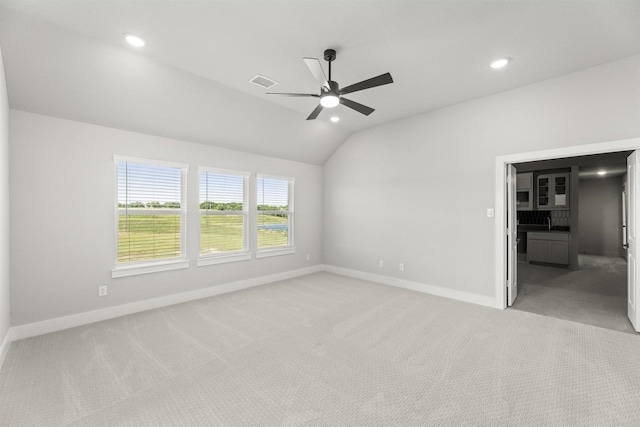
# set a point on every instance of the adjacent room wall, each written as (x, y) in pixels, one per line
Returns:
(416, 191)
(601, 217)
(4, 209)
(63, 216)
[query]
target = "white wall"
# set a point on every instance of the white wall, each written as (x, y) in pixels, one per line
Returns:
(63, 216)
(600, 216)
(4, 208)
(416, 190)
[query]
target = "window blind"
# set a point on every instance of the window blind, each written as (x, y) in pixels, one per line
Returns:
(223, 212)
(151, 211)
(275, 212)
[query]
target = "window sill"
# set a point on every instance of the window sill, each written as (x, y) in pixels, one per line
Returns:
(264, 253)
(134, 270)
(221, 259)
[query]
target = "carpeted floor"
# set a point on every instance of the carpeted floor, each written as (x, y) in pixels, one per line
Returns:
(324, 350)
(594, 295)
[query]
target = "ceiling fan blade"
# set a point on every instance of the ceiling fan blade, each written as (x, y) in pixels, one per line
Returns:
(356, 106)
(315, 112)
(316, 69)
(380, 80)
(295, 94)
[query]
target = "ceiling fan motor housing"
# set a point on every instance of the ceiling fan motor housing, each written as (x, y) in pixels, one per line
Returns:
(330, 55)
(333, 88)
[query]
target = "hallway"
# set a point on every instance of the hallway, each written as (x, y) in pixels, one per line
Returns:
(594, 295)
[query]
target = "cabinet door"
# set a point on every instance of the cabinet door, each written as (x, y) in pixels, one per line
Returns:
(524, 181)
(559, 252)
(538, 250)
(560, 190)
(544, 191)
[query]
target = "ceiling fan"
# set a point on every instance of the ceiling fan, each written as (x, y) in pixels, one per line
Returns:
(330, 93)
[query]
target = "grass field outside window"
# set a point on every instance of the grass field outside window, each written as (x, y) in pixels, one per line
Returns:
(221, 233)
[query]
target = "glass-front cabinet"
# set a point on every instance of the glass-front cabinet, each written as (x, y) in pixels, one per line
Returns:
(553, 191)
(543, 191)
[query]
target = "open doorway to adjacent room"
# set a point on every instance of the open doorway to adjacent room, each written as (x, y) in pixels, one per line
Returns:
(571, 238)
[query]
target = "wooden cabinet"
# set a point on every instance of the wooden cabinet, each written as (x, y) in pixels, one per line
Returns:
(553, 191)
(524, 191)
(549, 247)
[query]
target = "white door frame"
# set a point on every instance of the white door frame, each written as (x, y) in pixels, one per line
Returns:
(502, 162)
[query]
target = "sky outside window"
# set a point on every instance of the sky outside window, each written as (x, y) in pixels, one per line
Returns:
(138, 182)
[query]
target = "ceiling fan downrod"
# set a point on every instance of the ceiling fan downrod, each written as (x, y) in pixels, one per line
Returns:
(329, 56)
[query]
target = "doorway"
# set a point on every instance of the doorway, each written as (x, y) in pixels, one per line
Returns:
(593, 289)
(504, 248)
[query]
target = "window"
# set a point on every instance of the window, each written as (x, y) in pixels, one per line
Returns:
(275, 215)
(223, 216)
(151, 207)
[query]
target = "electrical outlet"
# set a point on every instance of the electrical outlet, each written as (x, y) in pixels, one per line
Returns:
(401, 267)
(308, 257)
(381, 264)
(102, 290)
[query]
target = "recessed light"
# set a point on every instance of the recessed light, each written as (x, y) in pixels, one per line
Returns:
(335, 119)
(500, 63)
(601, 173)
(134, 40)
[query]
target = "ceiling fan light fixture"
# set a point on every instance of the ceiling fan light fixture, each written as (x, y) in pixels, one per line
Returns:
(329, 101)
(134, 40)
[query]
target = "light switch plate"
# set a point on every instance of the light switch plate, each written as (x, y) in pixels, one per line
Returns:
(490, 213)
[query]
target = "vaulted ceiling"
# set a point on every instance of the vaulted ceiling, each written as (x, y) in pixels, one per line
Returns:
(68, 59)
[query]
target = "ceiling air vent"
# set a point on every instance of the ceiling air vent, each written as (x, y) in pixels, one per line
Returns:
(263, 81)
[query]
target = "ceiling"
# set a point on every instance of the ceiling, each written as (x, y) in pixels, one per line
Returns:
(68, 59)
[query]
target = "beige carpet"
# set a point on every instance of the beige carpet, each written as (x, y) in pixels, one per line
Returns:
(595, 295)
(324, 350)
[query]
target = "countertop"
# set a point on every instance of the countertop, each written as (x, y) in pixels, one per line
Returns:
(549, 231)
(540, 228)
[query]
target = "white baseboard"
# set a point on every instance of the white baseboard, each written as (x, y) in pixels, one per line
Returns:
(61, 323)
(414, 286)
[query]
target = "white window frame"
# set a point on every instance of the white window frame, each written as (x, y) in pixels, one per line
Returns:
(144, 267)
(289, 248)
(231, 256)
